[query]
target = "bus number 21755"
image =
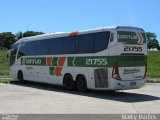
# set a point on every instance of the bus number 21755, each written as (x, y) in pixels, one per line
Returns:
(96, 61)
(133, 48)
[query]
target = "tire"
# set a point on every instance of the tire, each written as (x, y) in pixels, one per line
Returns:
(20, 76)
(81, 84)
(68, 82)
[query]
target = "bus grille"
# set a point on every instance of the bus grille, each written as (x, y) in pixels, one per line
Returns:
(101, 78)
(132, 56)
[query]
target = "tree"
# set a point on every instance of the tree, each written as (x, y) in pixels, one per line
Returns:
(31, 33)
(159, 48)
(151, 36)
(153, 44)
(6, 39)
(152, 41)
(19, 35)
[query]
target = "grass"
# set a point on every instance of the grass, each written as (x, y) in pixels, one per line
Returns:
(153, 66)
(6, 80)
(4, 64)
(4, 67)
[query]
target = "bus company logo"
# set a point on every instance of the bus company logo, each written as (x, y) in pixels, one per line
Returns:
(23, 61)
(131, 71)
(130, 37)
(33, 61)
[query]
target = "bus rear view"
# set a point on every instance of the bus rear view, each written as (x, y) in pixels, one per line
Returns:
(130, 70)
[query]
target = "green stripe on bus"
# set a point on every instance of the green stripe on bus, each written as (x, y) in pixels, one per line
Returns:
(106, 61)
(133, 62)
(70, 61)
(51, 70)
(54, 61)
(90, 61)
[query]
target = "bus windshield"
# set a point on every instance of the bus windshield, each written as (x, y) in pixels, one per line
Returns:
(13, 54)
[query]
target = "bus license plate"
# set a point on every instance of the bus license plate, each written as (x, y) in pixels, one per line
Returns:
(132, 83)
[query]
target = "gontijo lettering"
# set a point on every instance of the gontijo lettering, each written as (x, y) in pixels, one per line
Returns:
(33, 61)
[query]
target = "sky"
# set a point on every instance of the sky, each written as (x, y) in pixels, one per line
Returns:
(73, 15)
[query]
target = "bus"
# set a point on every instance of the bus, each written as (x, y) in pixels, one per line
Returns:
(109, 58)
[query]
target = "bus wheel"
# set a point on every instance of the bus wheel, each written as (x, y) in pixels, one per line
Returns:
(20, 76)
(68, 82)
(81, 84)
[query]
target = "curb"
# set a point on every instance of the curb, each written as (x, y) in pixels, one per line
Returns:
(7, 78)
(152, 83)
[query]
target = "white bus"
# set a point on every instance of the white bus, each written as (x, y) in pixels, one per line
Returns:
(112, 58)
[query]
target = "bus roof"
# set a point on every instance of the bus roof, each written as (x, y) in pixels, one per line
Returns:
(62, 34)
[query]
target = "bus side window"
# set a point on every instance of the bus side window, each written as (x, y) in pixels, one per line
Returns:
(43, 47)
(69, 45)
(85, 43)
(101, 40)
(55, 46)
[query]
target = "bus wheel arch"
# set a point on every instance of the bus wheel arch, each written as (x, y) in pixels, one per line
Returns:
(20, 76)
(81, 83)
(68, 82)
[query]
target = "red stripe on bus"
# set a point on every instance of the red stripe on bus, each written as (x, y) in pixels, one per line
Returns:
(139, 35)
(61, 61)
(49, 61)
(58, 71)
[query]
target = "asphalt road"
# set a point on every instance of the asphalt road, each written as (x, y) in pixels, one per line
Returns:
(34, 98)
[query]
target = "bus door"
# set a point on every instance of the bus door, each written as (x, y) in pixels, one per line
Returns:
(34, 68)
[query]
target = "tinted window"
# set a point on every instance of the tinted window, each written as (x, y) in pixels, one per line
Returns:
(85, 43)
(15, 46)
(43, 47)
(56, 46)
(32, 48)
(69, 45)
(13, 53)
(28, 48)
(23, 50)
(101, 41)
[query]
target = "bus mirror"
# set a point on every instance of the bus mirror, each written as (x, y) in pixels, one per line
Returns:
(9, 52)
